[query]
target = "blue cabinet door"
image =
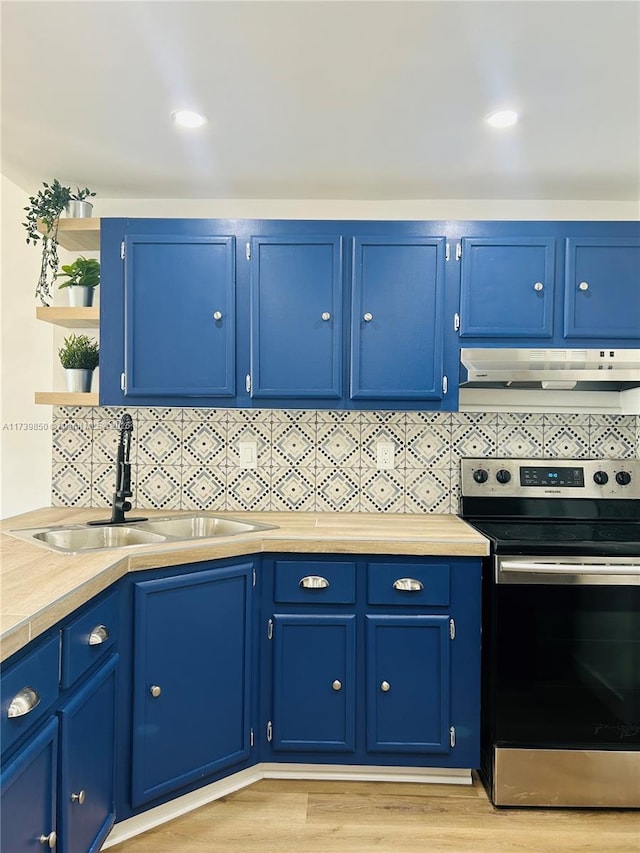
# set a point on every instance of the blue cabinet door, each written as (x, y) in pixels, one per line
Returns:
(29, 794)
(408, 684)
(179, 316)
(86, 800)
(602, 288)
(296, 317)
(507, 287)
(396, 318)
(191, 713)
(314, 683)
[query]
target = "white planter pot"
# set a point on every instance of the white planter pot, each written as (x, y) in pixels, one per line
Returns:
(78, 209)
(80, 296)
(79, 380)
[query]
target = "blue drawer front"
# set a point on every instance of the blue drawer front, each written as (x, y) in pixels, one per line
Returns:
(340, 580)
(433, 577)
(38, 671)
(78, 653)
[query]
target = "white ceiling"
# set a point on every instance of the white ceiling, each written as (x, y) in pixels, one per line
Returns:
(337, 100)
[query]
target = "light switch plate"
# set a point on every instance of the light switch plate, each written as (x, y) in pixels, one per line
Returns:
(248, 451)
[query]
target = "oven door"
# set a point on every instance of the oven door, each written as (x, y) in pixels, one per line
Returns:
(565, 649)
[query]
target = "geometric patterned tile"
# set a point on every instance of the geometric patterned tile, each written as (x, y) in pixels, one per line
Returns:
(338, 445)
(473, 439)
(71, 441)
(382, 491)
(160, 442)
(293, 489)
(565, 442)
(393, 433)
(520, 435)
(203, 488)
(248, 489)
(70, 484)
(256, 431)
(612, 442)
(103, 485)
(337, 490)
(204, 443)
(428, 446)
(293, 444)
(157, 487)
(428, 491)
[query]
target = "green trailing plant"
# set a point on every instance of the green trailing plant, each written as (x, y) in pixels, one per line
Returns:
(79, 352)
(83, 272)
(41, 224)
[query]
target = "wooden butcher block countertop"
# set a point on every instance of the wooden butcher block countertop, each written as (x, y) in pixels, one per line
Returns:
(40, 586)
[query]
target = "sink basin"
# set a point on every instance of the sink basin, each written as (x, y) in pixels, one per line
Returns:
(91, 538)
(177, 528)
(199, 526)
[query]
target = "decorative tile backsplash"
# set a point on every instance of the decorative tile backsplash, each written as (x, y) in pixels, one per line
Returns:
(309, 460)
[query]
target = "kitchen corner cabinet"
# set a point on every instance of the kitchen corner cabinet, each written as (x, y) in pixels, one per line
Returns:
(58, 766)
(373, 661)
(567, 284)
(191, 678)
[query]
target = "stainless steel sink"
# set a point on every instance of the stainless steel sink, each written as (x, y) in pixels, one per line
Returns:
(199, 526)
(177, 528)
(92, 538)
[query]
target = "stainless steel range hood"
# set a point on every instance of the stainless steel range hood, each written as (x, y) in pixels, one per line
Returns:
(551, 369)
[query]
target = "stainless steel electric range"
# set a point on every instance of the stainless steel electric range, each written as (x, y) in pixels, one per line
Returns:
(561, 629)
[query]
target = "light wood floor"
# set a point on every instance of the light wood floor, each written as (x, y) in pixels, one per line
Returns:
(274, 816)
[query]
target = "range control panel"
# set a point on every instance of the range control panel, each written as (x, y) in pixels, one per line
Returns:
(575, 478)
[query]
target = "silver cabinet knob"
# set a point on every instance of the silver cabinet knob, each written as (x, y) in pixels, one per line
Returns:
(584, 285)
(49, 840)
(337, 685)
(23, 702)
(385, 687)
(538, 286)
(155, 691)
(99, 635)
(217, 315)
(326, 316)
(368, 317)
(78, 798)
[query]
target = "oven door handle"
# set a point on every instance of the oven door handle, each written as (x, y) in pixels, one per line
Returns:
(524, 571)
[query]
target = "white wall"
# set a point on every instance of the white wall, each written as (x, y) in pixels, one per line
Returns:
(28, 346)
(25, 446)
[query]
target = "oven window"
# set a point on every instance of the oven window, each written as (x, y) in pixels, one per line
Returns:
(567, 666)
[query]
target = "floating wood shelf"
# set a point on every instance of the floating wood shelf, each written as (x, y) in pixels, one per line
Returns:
(67, 398)
(77, 234)
(70, 318)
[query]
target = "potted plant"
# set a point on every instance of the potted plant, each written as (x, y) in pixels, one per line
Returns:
(81, 278)
(44, 210)
(79, 356)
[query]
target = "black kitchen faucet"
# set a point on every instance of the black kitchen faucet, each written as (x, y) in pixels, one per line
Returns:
(120, 504)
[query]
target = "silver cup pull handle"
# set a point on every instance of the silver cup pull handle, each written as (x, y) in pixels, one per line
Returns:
(313, 582)
(99, 635)
(23, 703)
(408, 585)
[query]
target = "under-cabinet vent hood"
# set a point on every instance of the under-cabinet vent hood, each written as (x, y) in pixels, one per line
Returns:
(552, 369)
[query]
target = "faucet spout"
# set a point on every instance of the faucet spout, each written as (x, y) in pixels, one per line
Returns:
(119, 504)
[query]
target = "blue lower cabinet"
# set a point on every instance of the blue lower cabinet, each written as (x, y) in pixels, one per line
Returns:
(191, 702)
(408, 684)
(314, 689)
(29, 795)
(86, 803)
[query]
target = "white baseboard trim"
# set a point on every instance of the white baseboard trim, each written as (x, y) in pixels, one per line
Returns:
(138, 824)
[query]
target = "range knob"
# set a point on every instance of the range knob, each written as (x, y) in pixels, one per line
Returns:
(480, 475)
(623, 478)
(503, 476)
(601, 478)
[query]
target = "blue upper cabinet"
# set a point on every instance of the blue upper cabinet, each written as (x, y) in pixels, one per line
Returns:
(397, 318)
(602, 295)
(296, 317)
(179, 316)
(507, 287)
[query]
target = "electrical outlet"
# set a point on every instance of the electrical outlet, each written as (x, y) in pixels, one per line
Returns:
(248, 452)
(385, 455)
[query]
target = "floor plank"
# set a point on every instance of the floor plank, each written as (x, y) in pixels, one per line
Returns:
(282, 816)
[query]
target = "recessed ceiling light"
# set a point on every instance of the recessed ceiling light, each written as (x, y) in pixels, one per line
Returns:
(188, 118)
(502, 118)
